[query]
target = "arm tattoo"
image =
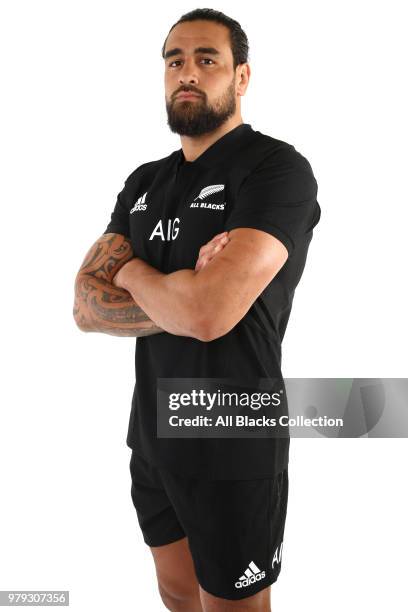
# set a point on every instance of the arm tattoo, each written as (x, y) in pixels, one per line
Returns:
(100, 306)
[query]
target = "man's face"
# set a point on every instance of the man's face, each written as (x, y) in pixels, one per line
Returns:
(208, 73)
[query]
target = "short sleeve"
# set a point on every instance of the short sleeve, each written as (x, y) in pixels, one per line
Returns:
(278, 197)
(119, 223)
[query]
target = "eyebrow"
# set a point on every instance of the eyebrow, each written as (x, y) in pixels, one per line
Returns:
(178, 51)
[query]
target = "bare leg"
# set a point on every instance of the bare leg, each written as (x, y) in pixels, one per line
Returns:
(176, 577)
(261, 602)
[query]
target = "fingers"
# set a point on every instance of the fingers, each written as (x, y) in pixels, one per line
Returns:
(219, 236)
(220, 240)
(201, 262)
(209, 250)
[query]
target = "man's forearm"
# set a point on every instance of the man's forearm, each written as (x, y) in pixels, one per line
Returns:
(99, 305)
(172, 299)
(209, 302)
(185, 302)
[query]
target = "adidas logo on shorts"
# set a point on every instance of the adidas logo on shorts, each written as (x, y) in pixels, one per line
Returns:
(252, 574)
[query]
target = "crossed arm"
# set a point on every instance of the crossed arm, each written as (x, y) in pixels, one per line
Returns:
(204, 303)
(207, 304)
(101, 306)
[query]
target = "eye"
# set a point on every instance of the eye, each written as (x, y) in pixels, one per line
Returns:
(205, 59)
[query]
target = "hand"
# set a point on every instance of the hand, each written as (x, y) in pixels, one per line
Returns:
(117, 280)
(210, 249)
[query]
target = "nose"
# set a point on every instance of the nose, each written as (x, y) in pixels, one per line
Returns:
(187, 73)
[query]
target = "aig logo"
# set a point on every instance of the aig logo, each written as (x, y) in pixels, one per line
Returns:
(166, 233)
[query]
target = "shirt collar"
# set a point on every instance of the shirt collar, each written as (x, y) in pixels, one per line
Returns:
(219, 150)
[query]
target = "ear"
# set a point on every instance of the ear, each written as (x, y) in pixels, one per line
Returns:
(243, 74)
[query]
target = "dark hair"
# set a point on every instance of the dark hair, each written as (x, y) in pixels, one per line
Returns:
(238, 38)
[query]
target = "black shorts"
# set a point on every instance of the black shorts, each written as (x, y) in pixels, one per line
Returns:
(235, 528)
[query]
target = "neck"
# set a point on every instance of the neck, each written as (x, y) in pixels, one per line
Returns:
(194, 146)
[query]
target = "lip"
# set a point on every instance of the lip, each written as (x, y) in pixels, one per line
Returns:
(188, 94)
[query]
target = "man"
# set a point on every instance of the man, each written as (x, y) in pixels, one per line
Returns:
(200, 262)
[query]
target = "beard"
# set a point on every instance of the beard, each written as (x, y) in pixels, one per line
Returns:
(196, 117)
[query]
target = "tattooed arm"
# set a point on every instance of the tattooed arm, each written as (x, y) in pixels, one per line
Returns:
(101, 306)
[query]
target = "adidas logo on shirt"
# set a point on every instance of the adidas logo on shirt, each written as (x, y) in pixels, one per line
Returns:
(252, 574)
(140, 204)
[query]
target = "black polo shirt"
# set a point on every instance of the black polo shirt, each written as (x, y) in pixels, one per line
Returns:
(169, 208)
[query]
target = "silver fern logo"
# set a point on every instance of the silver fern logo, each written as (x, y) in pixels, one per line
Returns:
(209, 191)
